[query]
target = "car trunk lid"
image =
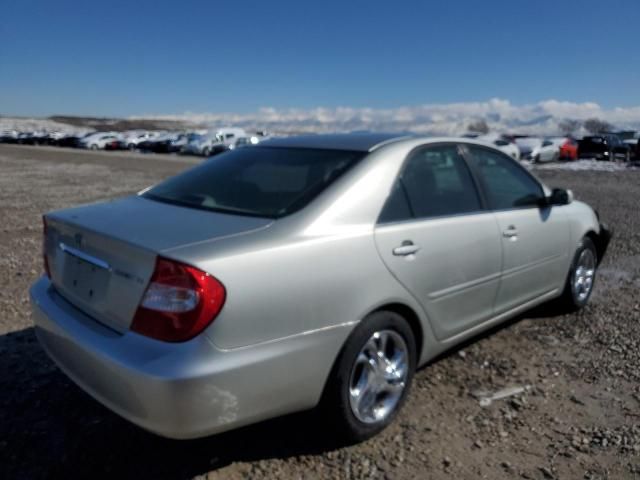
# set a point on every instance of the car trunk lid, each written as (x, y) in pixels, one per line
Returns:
(102, 256)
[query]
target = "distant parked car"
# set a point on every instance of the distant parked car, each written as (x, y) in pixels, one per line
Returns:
(548, 151)
(68, 141)
(526, 146)
(9, 136)
(555, 148)
(213, 144)
(98, 141)
(569, 149)
(133, 140)
(177, 144)
(604, 147)
(33, 138)
(167, 143)
(115, 144)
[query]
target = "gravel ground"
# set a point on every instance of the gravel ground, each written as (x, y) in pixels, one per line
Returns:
(576, 415)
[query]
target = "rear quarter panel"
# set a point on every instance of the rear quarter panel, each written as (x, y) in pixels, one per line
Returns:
(302, 285)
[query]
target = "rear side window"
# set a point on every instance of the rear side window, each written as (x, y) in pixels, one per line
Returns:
(507, 184)
(260, 181)
(435, 182)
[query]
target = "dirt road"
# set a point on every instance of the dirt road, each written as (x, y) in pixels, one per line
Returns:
(578, 416)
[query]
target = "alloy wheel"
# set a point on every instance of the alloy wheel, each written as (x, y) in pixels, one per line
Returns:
(378, 377)
(583, 275)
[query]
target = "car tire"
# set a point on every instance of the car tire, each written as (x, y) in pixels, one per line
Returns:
(581, 277)
(536, 159)
(94, 147)
(206, 151)
(346, 407)
(131, 146)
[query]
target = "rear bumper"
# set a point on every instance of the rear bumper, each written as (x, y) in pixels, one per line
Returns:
(183, 390)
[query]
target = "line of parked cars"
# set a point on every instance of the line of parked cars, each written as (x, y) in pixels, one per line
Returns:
(204, 143)
(605, 146)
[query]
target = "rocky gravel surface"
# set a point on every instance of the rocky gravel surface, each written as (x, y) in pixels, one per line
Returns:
(545, 396)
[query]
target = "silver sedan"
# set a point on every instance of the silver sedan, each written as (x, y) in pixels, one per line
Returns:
(305, 271)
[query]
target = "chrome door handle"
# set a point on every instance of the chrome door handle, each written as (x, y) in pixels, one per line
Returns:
(510, 232)
(407, 248)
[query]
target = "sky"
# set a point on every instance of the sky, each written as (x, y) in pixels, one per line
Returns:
(125, 58)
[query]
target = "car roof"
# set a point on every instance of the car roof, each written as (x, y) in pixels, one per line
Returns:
(360, 142)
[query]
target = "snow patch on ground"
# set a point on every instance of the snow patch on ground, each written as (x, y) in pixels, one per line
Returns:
(584, 165)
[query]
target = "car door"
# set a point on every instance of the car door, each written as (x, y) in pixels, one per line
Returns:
(535, 239)
(546, 151)
(437, 239)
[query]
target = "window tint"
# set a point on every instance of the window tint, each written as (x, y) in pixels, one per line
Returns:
(260, 181)
(435, 182)
(507, 184)
(397, 207)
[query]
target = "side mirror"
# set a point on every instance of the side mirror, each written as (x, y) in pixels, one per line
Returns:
(560, 196)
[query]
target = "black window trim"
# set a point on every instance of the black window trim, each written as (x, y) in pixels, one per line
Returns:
(481, 183)
(414, 219)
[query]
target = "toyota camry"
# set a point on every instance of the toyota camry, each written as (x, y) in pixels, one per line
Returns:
(303, 272)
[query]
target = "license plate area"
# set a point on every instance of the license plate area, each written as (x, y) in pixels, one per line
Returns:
(84, 280)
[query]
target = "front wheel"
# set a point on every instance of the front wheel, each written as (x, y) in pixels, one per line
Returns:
(581, 278)
(372, 376)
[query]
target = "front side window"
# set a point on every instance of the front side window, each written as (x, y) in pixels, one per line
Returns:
(260, 181)
(506, 183)
(435, 182)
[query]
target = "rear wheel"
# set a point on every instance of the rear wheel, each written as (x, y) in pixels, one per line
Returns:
(581, 278)
(372, 376)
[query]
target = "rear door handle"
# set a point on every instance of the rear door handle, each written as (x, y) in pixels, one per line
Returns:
(510, 232)
(407, 248)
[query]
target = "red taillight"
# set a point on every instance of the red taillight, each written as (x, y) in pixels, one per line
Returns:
(179, 303)
(45, 260)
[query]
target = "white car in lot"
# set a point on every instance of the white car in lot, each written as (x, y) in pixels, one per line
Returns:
(212, 144)
(548, 150)
(97, 141)
(133, 139)
(527, 145)
(501, 142)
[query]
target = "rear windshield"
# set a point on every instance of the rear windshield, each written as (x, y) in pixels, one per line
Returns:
(257, 181)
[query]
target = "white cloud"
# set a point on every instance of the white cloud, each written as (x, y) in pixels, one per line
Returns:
(439, 119)
(501, 115)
